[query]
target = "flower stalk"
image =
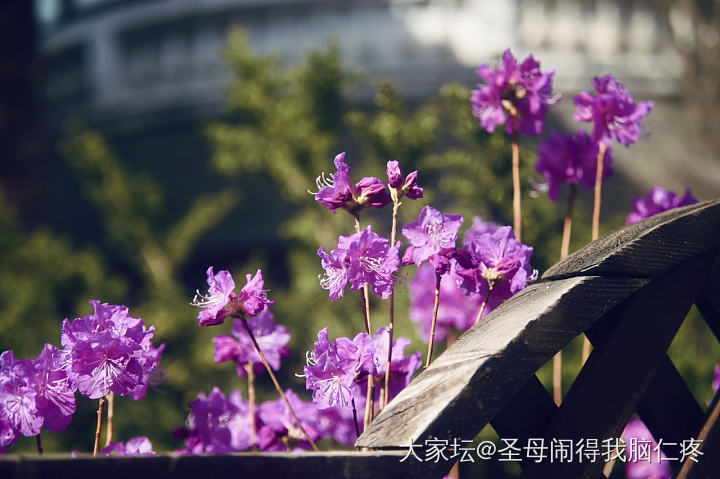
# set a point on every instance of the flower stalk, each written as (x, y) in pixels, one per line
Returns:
(98, 428)
(276, 383)
(491, 285)
(370, 398)
(436, 306)
(564, 251)
(110, 414)
(602, 147)
(517, 209)
(391, 321)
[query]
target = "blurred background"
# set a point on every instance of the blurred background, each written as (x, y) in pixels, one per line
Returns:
(142, 141)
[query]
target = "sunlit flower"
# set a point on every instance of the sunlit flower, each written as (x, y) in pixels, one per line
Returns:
(657, 201)
(516, 95)
(614, 113)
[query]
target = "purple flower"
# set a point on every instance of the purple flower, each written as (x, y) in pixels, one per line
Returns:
(339, 192)
(56, 392)
(657, 201)
(272, 339)
(654, 465)
(335, 265)
(521, 92)
(497, 262)
(137, 446)
(337, 423)
(252, 297)
(432, 235)
(219, 294)
(479, 228)
(222, 301)
(402, 367)
(217, 425)
(364, 258)
(279, 427)
(19, 393)
(333, 366)
(572, 160)
(716, 378)
(613, 111)
(109, 350)
(457, 310)
(409, 188)
(34, 393)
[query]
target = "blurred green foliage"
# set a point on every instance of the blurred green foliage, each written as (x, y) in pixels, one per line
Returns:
(284, 124)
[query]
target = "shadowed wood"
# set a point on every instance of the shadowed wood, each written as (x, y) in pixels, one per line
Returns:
(648, 248)
(367, 465)
(527, 414)
(621, 366)
(472, 380)
(709, 311)
(708, 302)
(669, 409)
(708, 464)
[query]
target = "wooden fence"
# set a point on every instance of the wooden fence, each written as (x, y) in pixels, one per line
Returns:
(629, 292)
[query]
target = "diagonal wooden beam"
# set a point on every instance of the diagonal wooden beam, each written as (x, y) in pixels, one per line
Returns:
(471, 382)
(619, 370)
(649, 248)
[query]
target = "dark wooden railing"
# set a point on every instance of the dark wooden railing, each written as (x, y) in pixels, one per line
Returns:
(629, 292)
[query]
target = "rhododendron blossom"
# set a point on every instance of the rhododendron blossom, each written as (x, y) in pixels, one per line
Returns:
(338, 192)
(110, 351)
(614, 113)
(222, 301)
(515, 95)
(571, 159)
(657, 201)
(497, 266)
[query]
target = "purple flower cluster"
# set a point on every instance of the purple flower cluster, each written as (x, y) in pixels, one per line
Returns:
(110, 351)
(34, 393)
(457, 310)
(278, 430)
(338, 192)
(137, 446)
(495, 262)
(217, 424)
(272, 339)
(637, 468)
(221, 300)
(614, 113)
(432, 238)
(570, 159)
(521, 92)
(336, 370)
(105, 351)
(657, 201)
(220, 424)
(364, 258)
(333, 366)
